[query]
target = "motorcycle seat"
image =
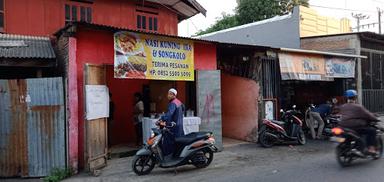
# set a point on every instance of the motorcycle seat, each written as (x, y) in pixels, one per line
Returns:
(281, 123)
(192, 137)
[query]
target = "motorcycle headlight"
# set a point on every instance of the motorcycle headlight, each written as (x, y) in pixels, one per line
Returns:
(156, 141)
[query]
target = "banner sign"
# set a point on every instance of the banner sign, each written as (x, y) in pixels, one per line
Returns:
(295, 66)
(142, 56)
(340, 68)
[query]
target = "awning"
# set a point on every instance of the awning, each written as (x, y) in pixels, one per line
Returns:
(21, 46)
(315, 67)
(21, 50)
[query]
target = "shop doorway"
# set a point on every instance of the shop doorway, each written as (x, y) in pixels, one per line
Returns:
(122, 132)
(202, 97)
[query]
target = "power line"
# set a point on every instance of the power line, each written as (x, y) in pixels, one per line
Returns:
(342, 9)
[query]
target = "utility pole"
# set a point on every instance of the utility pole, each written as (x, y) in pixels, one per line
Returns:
(379, 16)
(359, 17)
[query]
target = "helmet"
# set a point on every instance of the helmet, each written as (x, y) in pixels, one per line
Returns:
(350, 93)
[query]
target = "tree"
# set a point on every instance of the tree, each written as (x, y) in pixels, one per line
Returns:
(226, 21)
(288, 5)
(248, 11)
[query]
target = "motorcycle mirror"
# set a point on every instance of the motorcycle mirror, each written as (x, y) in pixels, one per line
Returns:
(281, 110)
(294, 106)
(173, 124)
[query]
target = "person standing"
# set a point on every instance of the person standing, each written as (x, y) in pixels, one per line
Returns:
(317, 114)
(138, 118)
(174, 114)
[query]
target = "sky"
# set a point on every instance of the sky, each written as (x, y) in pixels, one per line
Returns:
(332, 8)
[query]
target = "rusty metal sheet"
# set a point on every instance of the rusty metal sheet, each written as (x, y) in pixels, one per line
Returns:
(32, 127)
(46, 126)
(13, 124)
(209, 103)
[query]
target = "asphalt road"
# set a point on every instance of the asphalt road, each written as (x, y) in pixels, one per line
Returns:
(313, 162)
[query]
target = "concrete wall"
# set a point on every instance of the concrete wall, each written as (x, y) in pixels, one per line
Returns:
(342, 43)
(276, 32)
(239, 107)
(312, 24)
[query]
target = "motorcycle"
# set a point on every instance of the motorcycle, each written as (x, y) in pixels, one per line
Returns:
(288, 130)
(352, 146)
(195, 148)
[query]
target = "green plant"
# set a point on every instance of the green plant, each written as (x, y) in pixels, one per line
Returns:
(58, 174)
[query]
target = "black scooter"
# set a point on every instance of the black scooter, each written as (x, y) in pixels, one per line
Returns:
(196, 148)
(353, 146)
(288, 130)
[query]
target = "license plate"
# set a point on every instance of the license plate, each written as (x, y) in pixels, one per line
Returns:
(337, 139)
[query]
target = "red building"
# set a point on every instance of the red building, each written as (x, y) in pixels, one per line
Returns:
(45, 17)
(83, 32)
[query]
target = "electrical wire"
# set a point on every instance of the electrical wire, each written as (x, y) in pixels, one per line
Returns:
(342, 9)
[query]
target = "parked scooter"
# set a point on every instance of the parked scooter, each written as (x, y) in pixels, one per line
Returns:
(196, 148)
(288, 130)
(353, 146)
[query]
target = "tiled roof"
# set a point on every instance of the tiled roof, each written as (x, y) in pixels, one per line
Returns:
(21, 46)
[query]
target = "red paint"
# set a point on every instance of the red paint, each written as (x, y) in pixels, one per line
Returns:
(73, 126)
(45, 17)
(239, 106)
(205, 56)
(96, 47)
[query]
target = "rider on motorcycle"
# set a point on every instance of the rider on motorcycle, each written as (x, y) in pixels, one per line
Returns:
(357, 118)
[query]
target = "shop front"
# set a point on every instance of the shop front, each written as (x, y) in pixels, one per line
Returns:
(106, 62)
(311, 77)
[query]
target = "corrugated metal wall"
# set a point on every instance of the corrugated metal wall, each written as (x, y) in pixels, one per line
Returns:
(32, 127)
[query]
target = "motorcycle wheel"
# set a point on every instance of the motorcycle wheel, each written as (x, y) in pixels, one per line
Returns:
(265, 140)
(143, 164)
(379, 147)
(342, 156)
(301, 137)
(208, 154)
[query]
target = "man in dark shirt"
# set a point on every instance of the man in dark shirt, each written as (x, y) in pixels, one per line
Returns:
(316, 115)
(174, 114)
(356, 117)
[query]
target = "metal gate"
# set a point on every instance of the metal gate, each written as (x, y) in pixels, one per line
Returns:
(209, 103)
(32, 127)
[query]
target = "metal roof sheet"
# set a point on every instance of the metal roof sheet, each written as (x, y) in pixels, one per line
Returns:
(22, 46)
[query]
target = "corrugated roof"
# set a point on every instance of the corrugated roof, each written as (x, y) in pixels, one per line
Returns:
(22, 46)
(273, 19)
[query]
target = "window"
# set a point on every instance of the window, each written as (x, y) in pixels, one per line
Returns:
(1, 15)
(155, 24)
(67, 13)
(75, 12)
(82, 13)
(150, 23)
(89, 14)
(138, 22)
(143, 24)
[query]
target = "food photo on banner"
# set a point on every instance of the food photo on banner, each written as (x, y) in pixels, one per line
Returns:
(142, 56)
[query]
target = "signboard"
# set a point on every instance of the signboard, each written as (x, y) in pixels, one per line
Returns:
(269, 110)
(97, 101)
(340, 68)
(142, 56)
(295, 66)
